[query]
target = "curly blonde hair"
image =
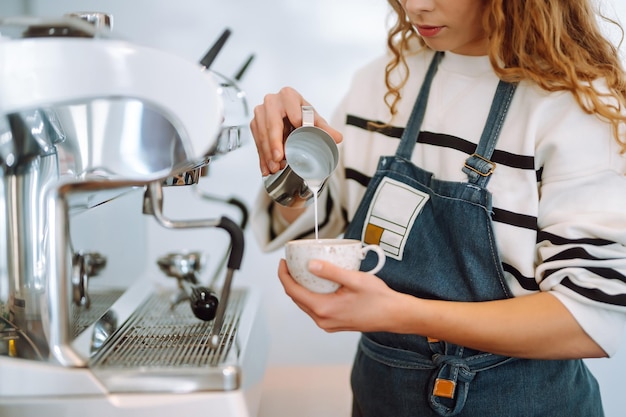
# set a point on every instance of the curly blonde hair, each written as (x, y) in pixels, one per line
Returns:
(556, 44)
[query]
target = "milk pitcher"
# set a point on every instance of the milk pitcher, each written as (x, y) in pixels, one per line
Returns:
(311, 155)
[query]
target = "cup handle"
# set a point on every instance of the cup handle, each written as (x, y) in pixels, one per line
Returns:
(381, 257)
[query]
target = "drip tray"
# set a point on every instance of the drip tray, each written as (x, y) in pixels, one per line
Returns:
(160, 349)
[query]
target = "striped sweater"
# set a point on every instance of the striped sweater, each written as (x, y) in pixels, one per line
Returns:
(559, 190)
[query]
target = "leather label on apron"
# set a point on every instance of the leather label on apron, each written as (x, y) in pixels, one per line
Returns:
(391, 215)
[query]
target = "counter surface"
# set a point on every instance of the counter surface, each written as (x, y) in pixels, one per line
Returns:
(306, 391)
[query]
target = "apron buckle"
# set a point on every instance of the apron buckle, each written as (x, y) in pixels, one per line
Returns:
(444, 388)
(480, 165)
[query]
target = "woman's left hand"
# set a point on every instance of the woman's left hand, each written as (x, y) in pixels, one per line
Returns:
(363, 303)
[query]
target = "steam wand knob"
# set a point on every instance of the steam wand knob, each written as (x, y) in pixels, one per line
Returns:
(203, 303)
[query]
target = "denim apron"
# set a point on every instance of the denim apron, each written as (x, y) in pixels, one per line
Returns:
(440, 244)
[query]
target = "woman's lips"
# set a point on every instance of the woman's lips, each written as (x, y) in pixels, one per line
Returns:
(428, 31)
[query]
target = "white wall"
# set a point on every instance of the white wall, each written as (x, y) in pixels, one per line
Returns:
(311, 45)
(12, 7)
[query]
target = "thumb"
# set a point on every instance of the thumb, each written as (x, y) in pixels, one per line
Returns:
(334, 133)
(332, 272)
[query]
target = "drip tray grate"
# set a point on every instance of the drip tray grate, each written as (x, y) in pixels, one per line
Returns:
(158, 341)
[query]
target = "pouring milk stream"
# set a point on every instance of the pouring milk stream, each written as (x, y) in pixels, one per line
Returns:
(311, 155)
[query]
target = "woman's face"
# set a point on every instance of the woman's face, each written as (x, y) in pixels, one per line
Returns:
(449, 25)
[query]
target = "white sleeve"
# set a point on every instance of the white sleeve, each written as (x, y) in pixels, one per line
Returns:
(604, 326)
(581, 249)
(272, 232)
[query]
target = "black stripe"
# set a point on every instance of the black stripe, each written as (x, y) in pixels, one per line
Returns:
(365, 124)
(606, 273)
(357, 176)
(499, 157)
(595, 294)
(560, 240)
(446, 141)
(528, 284)
(572, 253)
(270, 210)
(514, 219)
(344, 215)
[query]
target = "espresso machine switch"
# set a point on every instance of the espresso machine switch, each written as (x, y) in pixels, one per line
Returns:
(84, 266)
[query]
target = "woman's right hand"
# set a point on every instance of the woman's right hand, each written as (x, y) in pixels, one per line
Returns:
(273, 120)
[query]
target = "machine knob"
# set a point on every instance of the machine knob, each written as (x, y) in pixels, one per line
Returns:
(203, 303)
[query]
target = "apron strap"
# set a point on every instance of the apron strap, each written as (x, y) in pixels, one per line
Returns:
(478, 166)
(413, 126)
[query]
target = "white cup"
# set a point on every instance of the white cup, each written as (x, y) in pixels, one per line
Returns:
(346, 253)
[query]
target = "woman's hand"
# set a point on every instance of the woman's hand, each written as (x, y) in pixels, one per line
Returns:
(516, 326)
(273, 121)
(363, 303)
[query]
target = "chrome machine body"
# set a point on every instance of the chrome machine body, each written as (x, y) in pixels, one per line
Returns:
(92, 128)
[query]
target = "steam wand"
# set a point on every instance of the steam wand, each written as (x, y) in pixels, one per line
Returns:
(153, 204)
(243, 222)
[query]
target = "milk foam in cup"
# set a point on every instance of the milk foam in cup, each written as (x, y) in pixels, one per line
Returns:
(346, 253)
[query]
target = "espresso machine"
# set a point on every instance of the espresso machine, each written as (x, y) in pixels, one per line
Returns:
(94, 131)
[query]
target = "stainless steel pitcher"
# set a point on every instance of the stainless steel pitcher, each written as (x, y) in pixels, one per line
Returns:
(312, 156)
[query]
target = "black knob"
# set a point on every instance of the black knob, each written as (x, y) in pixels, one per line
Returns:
(204, 303)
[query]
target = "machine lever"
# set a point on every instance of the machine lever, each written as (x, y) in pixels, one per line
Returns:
(212, 53)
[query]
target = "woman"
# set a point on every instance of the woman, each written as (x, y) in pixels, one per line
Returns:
(507, 116)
